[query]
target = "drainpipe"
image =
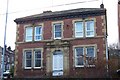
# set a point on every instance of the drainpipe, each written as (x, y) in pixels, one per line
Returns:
(106, 34)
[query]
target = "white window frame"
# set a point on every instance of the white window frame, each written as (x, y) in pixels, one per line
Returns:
(77, 57)
(27, 40)
(55, 32)
(25, 59)
(87, 56)
(93, 27)
(39, 59)
(79, 31)
(38, 34)
(84, 53)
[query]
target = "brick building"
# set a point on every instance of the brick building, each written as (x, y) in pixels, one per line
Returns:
(8, 59)
(1, 50)
(69, 43)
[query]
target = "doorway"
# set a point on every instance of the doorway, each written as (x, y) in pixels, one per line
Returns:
(57, 63)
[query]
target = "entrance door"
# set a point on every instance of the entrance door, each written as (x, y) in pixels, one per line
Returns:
(57, 63)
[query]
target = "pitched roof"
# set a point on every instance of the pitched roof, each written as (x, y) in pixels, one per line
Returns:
(65, 13)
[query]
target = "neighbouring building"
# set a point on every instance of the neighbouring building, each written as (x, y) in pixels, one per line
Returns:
(1, 50)
(8, 58)
(69, 43)
(114, 62)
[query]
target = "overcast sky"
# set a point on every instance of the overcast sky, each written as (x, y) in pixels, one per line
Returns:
(21, 8)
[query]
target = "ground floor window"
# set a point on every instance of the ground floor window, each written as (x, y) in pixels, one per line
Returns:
(37, 58)
(32, 58)
(85, 56)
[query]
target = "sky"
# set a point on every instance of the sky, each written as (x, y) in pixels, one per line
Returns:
(22, 8)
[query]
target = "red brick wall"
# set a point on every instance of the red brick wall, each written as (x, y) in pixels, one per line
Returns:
(47, 30)
(68, 28)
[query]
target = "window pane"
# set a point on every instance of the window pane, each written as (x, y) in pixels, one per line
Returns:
(57, 30)
(89, 28)
(37, 54)
(79, 56)
(78, 29)
(57, 34)
(28, 63)
(90, 33)
(80, 61)
(37, 58)
(90, 51)
(29, 34)
(28, 58)
(37, 63)
(38, 33)
(58, 27)
(37, 37)
(38, 30)
(79, 51)
(90, 56)
(28, 55)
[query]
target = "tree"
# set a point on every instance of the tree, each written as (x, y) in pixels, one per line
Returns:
(113, 46)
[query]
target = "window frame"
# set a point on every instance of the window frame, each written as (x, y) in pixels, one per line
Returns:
(87, 64)
(32, 58)
(89, 30)
(25, 59)
(78, 57)
(57, 31)
(75, 32)
(53, 29)
(40, 26)
(84, 27)
(35, 58)
(84, 55)
(26, 34)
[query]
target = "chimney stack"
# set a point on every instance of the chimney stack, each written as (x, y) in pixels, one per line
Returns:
(118, 1)
(102, 5)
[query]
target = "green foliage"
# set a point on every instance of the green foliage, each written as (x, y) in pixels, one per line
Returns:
(12, 71)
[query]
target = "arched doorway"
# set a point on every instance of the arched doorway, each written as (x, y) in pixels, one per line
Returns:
(57, 65)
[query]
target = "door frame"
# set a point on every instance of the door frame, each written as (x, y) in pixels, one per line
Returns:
(59, 55)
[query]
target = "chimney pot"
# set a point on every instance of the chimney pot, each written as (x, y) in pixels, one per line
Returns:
(102, 5)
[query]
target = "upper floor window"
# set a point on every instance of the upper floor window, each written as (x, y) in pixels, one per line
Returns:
(84, 56)
(89, 28)
(33, 33)
(79, 29)
(85, 28)
(29, 34)
(38, 33)
(57, 31)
